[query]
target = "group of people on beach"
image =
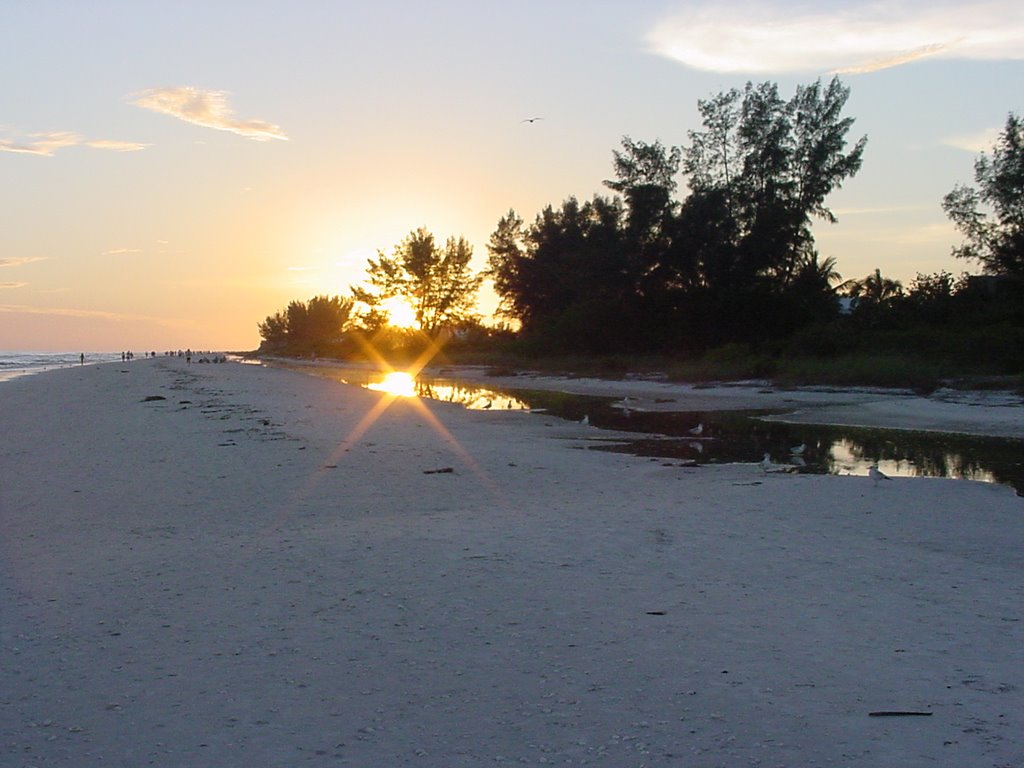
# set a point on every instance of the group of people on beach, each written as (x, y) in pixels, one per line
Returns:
(207, 357)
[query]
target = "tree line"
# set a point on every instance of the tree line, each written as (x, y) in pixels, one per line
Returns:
(733, 261)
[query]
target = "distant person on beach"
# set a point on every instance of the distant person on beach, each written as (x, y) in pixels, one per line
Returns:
(81, 359)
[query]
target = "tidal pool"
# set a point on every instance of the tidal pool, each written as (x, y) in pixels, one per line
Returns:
(709, 437)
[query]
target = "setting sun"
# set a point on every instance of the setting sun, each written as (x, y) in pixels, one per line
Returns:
(401, 313)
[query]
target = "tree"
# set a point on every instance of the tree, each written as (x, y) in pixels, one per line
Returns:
(874, 293)
(307, 327)
(567, 273)
(437, 282)
(768, 164)
(274, 330)
(505, 250)
(645, 176)
(995, 237)
(691, 274)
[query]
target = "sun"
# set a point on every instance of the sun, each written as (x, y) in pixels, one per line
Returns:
(401, 313)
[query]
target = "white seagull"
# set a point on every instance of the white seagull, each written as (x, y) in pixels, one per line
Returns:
(797, 450)
(766, 462)
(585, 421)
(876, 474)
(698, 430)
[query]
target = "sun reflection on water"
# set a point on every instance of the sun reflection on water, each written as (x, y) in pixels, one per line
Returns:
(398, 383)
(729, 437)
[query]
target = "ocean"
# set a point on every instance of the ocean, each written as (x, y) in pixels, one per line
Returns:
(14, 364)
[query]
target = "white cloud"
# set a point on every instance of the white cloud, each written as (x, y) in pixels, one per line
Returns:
(47, 144)
(120, 251)
(862, 37)
(206, 108)
(12, 285)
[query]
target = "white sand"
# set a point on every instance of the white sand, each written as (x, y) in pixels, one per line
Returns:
(260, 576)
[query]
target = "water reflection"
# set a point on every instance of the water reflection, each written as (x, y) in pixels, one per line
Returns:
(730, 436)
(472, 397)
(397, 383)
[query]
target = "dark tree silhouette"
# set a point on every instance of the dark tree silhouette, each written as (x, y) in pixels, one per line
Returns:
(768, 165)
(307, 327)
(995, 237)
(695, 273)
(437, 282)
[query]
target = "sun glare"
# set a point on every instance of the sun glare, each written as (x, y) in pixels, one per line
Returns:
(398, 383)
(401, 313)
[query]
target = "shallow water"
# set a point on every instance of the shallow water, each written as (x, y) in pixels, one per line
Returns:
(15, 364)
(729, 436)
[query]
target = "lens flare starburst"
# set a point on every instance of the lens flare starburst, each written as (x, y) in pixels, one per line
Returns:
(401, 385)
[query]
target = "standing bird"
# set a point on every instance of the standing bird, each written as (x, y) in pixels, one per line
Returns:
(585, 421)
(698, 430)
(798, 450)
(766, 463)
(876, 474)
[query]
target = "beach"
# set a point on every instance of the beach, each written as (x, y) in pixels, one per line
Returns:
(232, 565)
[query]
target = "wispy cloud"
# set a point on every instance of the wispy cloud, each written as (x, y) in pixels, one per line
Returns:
(854, 38)
(12, 285)
(44, 144)
(116, 146)
(47, 144)
(17, 261)
(939, 233)
(121, 251)
(206, 108)
(893, 209)
(982, 141)
(117, 317)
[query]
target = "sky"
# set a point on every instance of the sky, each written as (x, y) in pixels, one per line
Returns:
(172, 173)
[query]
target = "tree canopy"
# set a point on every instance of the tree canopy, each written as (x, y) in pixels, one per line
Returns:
(438, 283)
(691, 273)
(991, 216)
(731, 263)
(305, 327)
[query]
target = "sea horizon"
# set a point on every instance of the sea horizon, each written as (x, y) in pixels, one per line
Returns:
(19, 363)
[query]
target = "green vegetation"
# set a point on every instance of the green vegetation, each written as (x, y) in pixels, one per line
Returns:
(723, 284)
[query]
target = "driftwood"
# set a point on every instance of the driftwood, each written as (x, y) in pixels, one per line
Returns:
(899, 713)
(442, 471)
